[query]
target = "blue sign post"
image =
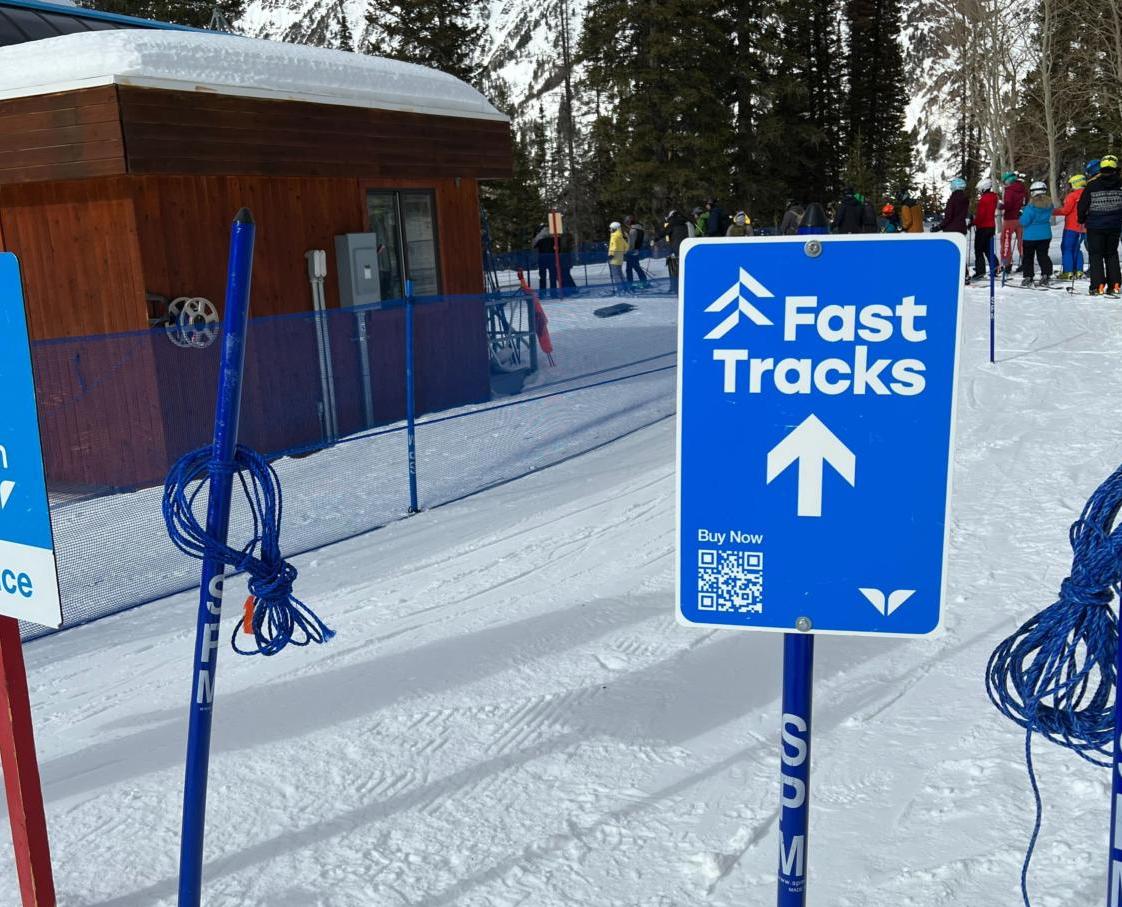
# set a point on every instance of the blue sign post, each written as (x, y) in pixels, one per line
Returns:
(816, 404)
(28, 577)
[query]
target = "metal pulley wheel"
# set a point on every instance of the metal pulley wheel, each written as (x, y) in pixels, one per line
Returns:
(192, 322)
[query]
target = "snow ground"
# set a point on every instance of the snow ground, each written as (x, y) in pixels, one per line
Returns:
(510, 714)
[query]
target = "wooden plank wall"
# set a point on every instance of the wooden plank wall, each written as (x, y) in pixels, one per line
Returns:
(213, 134)
(61, 136)
(77, 244)
(184, 234)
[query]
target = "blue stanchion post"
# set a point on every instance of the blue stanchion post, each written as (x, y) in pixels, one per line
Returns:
(1114, 867)
(410, 401)
(794, 753)
(993, 282)
(226, 418)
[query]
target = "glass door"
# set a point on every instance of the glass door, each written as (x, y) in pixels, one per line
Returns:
(420, 242)
(405, 224)
(386, 226)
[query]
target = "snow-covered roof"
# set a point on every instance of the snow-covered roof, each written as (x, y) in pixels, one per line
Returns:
(247, 67)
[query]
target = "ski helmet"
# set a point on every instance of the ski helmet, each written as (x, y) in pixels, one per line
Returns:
(887, 210)
(1038, 188)
(1092, 168)
(1008, 177)
(1077, 182)
(613, 226)
(1108, 162)
(985, 185)
(958, 183)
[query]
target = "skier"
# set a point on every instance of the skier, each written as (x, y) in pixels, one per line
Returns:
(565, 279)
(868, 216)
(911, 215)
(701, 222)
(789, 226)
(718, 222)
(891, 218)
(676, 230)
(636, 237)
(850, 216)
(1036, 219)
(1100, 211)
(954, 215)
(547, 262)
(617, 250)
(1071, 245)
(985, 224)
(1012, 202)
(741, 225)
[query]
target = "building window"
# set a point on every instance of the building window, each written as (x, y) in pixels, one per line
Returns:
(405, 226)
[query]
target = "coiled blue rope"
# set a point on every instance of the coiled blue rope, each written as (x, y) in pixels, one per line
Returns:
(279, 618)
(1056, 676)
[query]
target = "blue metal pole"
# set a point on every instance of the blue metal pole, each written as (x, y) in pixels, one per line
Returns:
(993, 281)
(1114, 869)
(410, 402)
(794, 752)
(226, 419)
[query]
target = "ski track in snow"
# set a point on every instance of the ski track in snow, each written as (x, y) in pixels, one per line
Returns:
(510, 714)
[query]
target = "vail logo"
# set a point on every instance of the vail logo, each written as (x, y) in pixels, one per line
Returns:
(887, 606)
(743, 306)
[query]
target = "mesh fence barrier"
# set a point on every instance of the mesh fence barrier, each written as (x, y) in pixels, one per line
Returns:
(324, 397)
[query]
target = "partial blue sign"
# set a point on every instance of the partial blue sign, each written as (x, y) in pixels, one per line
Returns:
(28, 576)
(816, 407)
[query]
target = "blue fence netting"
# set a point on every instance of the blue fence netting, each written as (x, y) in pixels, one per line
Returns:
(118, 410)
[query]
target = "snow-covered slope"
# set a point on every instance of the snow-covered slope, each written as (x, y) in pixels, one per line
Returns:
(510, 714)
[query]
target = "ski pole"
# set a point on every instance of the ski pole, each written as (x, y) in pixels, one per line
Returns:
(993, 281)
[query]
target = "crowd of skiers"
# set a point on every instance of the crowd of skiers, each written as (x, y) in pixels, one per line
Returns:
(1092, 213)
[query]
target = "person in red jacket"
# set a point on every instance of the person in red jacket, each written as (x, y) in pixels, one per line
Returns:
(1071, 246)
(985, 224)
(1014, 199)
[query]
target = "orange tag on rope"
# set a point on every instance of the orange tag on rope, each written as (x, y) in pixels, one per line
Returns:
(247, 617)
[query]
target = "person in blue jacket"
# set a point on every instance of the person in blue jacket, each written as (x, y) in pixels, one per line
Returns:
(1036, 219)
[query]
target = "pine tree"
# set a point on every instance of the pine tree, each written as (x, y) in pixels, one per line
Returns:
(807, 122)
(443, 34)
(661, 70)
(875, 74)
(345, 40)
(195, 13)
(514, 206)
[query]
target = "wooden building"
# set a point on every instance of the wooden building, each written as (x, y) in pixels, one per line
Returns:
(124, 154)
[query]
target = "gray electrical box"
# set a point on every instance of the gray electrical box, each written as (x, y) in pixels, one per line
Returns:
(357, 256)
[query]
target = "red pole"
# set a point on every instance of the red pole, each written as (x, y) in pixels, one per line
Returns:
(21, 774)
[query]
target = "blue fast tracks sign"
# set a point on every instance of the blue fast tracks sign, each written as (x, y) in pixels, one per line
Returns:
(816, 407)
(28, 577)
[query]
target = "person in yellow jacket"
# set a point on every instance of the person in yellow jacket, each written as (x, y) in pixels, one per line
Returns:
(911, 216)
(617, 250)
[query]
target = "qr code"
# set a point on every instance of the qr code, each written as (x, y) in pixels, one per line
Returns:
(730, 581)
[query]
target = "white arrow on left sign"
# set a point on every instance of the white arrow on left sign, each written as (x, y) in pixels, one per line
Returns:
(6, 489)
(812, 445)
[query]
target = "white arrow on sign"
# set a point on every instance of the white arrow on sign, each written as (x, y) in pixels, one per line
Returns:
(6, 489)
(812, 445)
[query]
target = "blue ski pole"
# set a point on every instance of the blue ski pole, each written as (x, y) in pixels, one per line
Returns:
(993, 281)
(226, 419)
(410, 400)
(794, 752)
(1114, 870)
